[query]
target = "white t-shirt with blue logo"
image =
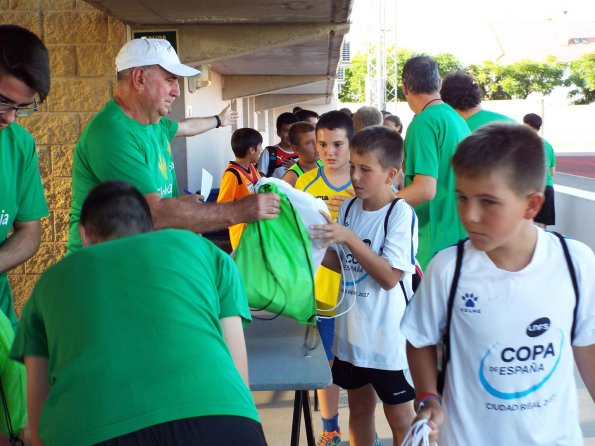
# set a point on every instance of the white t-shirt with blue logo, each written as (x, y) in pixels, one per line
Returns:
(368, 335)
(510, 378)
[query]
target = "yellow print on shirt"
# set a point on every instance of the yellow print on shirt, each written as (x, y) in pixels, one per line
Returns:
(162, 167)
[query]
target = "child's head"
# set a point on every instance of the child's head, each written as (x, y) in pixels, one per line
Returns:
(246, 143)
(284, 122)
(394, 122)
(333, 132)
(302, 136)
(533, 120)
(500, 178)
(366, 117)
(307, 116)
(376, 158)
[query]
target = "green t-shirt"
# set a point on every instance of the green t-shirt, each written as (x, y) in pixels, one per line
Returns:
(116, 147)
(483, 117)
(550, 161)
(12, 374)
(431, 140)
(131, 328)
(21, 194)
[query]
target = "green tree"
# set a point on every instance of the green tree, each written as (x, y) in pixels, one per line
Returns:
(353, 89)
(521, 78)
(582, 79)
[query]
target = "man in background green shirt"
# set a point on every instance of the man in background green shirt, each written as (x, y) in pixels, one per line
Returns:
(431, 140)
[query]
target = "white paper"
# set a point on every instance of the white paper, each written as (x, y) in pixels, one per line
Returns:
(206, 184)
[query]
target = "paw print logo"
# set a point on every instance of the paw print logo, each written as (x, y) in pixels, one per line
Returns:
(469, 300)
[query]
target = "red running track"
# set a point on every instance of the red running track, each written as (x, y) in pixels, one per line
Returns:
(583, 166)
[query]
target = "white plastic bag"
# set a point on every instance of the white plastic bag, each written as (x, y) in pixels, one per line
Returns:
(307, 206)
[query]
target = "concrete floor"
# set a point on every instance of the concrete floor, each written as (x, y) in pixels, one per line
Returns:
(276, 409)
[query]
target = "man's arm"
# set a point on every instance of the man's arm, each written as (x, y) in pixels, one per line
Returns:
(424, 371)
(234, 338)
(421, 190)
(37, 392)
(21, 245)
(199, 217)
(195, 126)
(585, 362)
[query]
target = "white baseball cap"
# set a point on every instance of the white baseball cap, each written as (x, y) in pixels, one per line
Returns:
(144, 51)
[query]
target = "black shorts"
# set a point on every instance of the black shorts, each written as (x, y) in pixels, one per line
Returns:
(547, 213)
(391, 386)
(219, 430)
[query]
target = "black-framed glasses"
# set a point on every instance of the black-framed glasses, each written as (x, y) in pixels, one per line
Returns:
(21, 112)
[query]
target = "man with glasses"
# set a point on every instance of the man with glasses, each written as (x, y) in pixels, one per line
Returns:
(129, 140)
(24, 76)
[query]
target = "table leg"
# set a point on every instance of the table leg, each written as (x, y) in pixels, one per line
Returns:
(308, 417)
(297, 418)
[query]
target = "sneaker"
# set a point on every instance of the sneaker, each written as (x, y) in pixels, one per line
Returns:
(376, 441)
(329, 439)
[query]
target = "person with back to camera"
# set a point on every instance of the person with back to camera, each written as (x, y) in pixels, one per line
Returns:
(129, 140)
(240, 176)
(275, 160)
(547, 213)
(378, 234)
(156, 352)
(506, 299)
(303, 140)
(461, 92)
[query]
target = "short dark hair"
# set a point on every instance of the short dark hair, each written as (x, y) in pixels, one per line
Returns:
(304, 115)
(460, 91)
(243, 139)
(366, 116)
(115, 209)
(512, 149)
(385, 143)
(296, 109)
(385, 113)
(394, 119)
(336, 120)
(420, 75)
(24, 56)
(347, 111)
(533, 120)
(297, 129)
(285, 118)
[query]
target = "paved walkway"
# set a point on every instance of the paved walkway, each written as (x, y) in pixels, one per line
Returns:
(276, 410)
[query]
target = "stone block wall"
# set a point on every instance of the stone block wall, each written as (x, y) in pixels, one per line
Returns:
(83, 43)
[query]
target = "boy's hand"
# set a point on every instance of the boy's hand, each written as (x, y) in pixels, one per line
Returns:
(432, 411)
(335, 201)
(333, 232)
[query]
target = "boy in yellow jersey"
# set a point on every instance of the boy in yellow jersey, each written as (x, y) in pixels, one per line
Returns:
(241, 176)
(331, 183)
(302, 136)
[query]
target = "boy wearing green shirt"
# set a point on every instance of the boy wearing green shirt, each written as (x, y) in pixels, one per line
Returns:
(24, 81)
(156, 349)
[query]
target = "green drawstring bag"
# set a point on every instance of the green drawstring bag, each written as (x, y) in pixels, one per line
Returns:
(275, 260)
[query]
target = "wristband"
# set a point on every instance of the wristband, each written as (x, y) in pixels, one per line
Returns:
(425, 397)
(218, 121)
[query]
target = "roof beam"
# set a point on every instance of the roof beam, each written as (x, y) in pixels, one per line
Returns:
(268, 101)
(241, 86)
(200, 44)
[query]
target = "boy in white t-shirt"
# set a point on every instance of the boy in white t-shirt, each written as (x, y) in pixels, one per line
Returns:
(516, 320)
(378, 234)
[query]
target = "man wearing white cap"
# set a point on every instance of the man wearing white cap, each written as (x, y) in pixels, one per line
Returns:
(129, 140)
